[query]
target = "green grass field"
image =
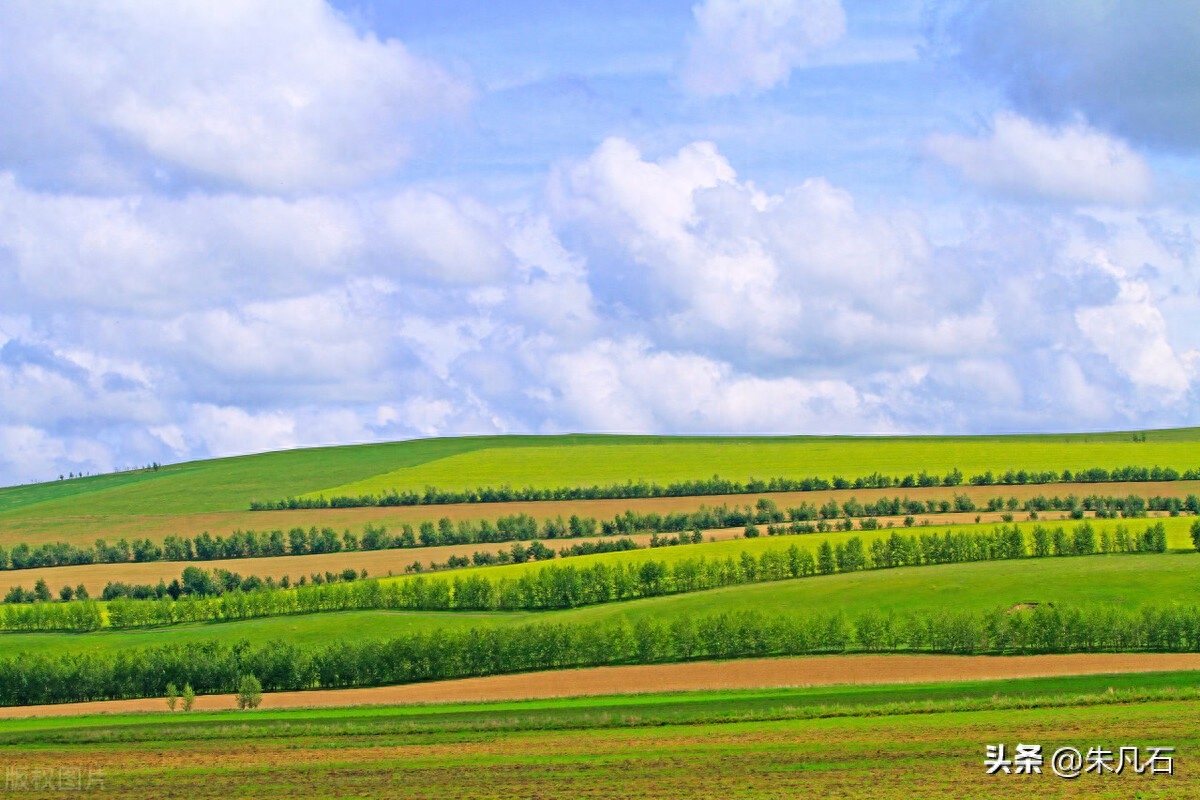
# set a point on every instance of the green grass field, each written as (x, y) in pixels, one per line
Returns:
(668, 460)
(229, 484)
(923, 741)
(1127, 581)
(900, 741)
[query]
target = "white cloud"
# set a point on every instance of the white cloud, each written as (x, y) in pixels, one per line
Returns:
(29, 453)
(626, 385)
(753, 45)
(318, 339)
(454, 240)
(274, 95)
(155, 254)
(1072, 162)
(711, 262)
(1132, 334)
(225, 431)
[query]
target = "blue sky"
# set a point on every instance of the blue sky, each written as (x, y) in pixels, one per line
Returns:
(233, 227)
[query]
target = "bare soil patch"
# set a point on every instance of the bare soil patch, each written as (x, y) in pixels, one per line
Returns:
(699, 675)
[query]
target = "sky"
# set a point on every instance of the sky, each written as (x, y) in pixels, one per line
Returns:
(230, 227)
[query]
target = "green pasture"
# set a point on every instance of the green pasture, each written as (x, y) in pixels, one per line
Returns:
(1128, 581)
(665, 460)
(230, 484)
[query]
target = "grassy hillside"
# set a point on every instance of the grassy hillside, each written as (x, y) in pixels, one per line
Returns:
(668, 460)
(1128, 581)
(229, 484)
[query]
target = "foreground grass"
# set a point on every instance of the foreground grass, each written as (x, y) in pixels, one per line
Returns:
(885, 741)
(1126, 581)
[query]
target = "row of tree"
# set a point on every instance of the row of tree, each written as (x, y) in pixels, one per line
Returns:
(556, 587)
(805, 518)
(212, 583)
(717, 485)
(214, 667)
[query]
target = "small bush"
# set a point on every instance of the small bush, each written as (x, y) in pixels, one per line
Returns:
(249, 693)
(189, 697)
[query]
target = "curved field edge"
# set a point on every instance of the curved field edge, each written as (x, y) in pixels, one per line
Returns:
(229, 484)
(698, 691)
(1123, 581)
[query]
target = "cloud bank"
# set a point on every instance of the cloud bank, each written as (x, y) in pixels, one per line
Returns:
(218, 234)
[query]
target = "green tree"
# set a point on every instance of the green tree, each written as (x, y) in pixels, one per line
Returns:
(41, 592)
(1196, 534)
(249, 693)
(172, 696)
(189, 697)
(825, 563)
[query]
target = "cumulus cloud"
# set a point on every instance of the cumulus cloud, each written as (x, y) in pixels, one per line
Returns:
(273, 95)
(627, 385)
(712, 262)
(155, 253)
(753, 45)
(1132, 334)
(1130, 67)
(1071, 163)
(447, 239)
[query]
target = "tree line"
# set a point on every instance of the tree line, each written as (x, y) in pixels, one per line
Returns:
(558, 587)
(717, 485)
(804, 518)
(216, 667)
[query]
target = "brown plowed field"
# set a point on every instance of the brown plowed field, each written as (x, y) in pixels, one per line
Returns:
(699, 675)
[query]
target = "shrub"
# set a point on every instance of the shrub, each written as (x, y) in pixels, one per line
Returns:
(189, 697)
(249, 693)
